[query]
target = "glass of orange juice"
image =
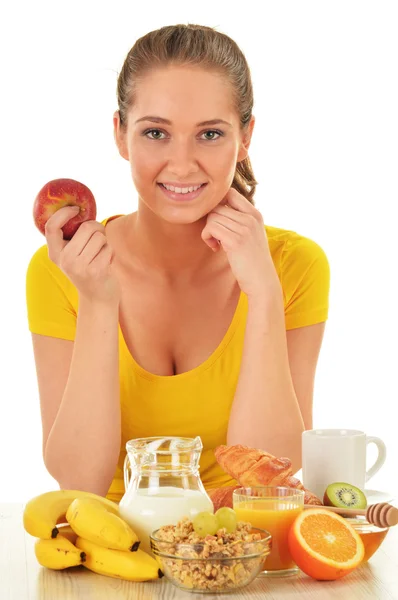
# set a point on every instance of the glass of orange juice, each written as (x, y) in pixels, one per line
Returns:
(273, 509)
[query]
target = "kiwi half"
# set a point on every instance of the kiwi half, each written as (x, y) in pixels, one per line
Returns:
(344, 495)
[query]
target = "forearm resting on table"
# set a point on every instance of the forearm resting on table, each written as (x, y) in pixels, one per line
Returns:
(83, 446)
(265, 412)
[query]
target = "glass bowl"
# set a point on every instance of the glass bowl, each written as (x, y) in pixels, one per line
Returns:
(183, 566)
(371, 535)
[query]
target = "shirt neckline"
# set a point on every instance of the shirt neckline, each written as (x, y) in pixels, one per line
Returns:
(196, 370)
(200, 368)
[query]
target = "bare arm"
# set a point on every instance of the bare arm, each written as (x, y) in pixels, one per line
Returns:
(79, 393)
(265, 411)
(269, 410)
(304, 344)
(79, 380)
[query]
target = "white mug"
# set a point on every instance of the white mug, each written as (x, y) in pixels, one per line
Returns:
(337, 455)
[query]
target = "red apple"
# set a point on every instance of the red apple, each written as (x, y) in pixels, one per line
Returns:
(64, 192)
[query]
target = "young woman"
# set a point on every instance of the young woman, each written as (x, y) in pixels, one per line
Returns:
(189, 316)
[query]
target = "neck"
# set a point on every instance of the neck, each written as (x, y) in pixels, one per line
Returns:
(176, 252)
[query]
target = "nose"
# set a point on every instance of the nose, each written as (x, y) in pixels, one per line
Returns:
(182, 160)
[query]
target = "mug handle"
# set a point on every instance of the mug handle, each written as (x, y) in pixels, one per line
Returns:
(126, 467)
(381, 456)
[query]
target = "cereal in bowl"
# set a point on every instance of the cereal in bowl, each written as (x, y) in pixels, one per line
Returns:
(219, 562)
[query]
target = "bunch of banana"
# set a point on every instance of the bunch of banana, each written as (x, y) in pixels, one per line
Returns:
(43, 513)
(95, 536)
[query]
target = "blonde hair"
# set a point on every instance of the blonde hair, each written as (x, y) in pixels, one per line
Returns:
(195, 45)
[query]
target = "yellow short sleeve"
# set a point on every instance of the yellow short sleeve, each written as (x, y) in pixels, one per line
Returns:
(305, 279)
(51, 298)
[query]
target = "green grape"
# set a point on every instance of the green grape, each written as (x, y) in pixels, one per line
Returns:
(205, 523)
(226, 517)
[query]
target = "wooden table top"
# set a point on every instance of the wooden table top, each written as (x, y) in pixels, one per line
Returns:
(22, 578)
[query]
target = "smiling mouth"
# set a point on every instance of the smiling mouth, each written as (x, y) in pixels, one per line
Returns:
(181, 196)
(184, 187)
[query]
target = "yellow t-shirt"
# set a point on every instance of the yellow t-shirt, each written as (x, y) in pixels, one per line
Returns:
(197, 402)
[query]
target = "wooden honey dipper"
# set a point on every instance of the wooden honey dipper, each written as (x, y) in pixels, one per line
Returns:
(381, 515)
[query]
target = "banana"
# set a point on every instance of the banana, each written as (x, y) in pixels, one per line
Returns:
(133, 566)
(58, 553)
(42, 513)
(93, 521)
(67, 532)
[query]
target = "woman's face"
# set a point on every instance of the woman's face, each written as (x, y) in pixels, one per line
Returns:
(182, 151)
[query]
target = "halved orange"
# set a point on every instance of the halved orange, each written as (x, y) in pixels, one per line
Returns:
(324, 545)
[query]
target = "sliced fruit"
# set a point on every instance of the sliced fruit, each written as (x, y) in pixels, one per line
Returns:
(344, 495)
(324, 545)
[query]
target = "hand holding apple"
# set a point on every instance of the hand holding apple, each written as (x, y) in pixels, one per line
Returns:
(86, 259)
(64, 192)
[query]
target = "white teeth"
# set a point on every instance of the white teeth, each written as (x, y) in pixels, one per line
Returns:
(178, 190)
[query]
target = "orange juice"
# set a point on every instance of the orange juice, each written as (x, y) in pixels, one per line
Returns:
(276, 515)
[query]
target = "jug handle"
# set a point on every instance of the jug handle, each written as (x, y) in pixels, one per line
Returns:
(125, 472)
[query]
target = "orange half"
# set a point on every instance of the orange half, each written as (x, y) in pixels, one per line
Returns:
(324, 545)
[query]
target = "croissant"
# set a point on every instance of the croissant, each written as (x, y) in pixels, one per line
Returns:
(251, 467)
(222, 496)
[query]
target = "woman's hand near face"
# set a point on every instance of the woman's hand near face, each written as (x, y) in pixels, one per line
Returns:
(86, 259)
(237, 227)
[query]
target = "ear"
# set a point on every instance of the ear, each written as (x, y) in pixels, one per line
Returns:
(120, 136)
(247, 136)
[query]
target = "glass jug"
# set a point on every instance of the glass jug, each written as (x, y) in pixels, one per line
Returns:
(164, 485)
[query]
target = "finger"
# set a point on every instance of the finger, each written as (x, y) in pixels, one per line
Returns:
(239, 202)
(216, 231)
(93, 247)
(230, 213)
(53, 228)
(209, 240)
(213, 244)
(104, 257)
(83, 236)
(234, 225)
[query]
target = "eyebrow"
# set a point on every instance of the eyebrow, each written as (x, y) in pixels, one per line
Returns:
(167, 122)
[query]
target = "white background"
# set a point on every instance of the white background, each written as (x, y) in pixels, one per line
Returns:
(324, 151)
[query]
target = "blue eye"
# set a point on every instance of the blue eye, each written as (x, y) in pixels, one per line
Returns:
(216, 131)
